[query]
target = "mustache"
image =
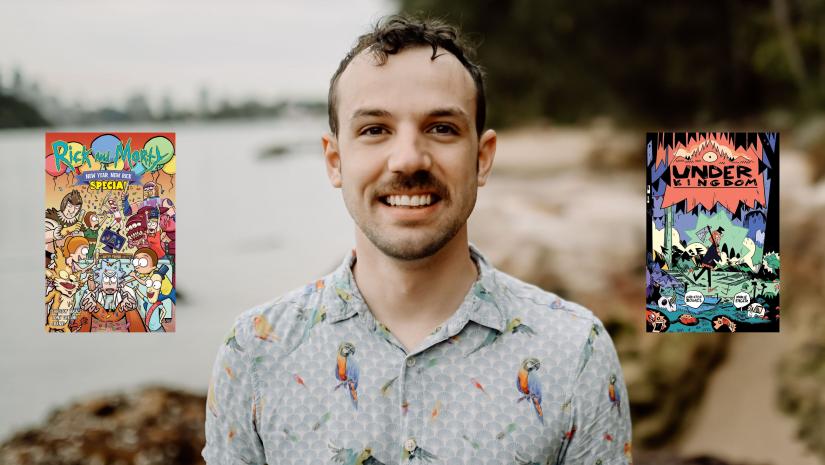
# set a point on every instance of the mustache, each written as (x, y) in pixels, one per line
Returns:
(422, 180)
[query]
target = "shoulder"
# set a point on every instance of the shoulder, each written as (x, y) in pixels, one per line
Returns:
(558, 319)
(274, 326)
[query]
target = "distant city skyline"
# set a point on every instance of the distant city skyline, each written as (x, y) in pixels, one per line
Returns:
(104, 53)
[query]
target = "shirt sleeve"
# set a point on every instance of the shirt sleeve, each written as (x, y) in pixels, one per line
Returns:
(601, 430)
(231, 432)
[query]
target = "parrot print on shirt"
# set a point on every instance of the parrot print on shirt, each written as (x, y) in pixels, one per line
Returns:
(346, 371)
(529, 386)
(613, 393)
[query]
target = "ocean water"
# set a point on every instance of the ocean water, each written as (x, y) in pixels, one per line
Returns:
(249, 228)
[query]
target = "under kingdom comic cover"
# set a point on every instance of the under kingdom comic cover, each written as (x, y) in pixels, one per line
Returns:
(712, 232)
(110, 232)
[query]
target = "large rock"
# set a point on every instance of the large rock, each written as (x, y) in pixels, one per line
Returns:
(147, 427)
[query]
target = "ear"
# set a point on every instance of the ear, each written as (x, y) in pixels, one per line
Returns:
(332, 159)
(486, 153)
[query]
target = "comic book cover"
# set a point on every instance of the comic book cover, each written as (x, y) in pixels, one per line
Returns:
(712, 232)
(110, 232)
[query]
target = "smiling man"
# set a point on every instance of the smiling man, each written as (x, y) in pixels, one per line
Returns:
(415, 349)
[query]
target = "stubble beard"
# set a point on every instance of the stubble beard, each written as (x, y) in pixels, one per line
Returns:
(422, 244)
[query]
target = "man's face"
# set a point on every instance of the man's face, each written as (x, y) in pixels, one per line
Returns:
(407, 155)
(148, 192)
(152, 225)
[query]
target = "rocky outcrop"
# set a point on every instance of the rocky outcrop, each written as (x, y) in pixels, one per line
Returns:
(147, 427)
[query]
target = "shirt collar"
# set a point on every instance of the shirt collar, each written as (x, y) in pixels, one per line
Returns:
(481, 304)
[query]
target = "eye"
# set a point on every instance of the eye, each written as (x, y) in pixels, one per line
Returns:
(144, 262)
(442, 128)
(148, 283)
(84, 251)
(156, 284)
(63, 274)
(373, 131)
(135, 262)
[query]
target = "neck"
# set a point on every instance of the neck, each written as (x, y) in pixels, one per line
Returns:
(413, 297)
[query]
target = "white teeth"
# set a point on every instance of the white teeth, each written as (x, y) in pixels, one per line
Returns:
(409, 201)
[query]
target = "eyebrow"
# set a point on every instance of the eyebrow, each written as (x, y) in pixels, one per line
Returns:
(377, 112)
(374, 112)
(449, 111)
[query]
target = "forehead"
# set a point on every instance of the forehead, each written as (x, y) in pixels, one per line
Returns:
(408, 83)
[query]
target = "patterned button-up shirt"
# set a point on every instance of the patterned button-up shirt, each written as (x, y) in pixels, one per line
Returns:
(516, 375)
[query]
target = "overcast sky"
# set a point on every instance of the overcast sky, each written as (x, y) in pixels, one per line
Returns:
(102, 51)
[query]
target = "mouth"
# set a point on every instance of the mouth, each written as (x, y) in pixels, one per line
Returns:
(410, 201)
(68, 286)
(150, 294)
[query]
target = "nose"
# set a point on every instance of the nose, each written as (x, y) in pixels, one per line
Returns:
(409, 153)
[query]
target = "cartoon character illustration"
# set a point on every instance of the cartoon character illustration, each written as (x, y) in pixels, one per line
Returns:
(136, 228)
(155, 237)
(656, 321)
(111, 306)
(91, 230)
(614, 394)
(723, 321)
(60, 300)
(63, 222)
(76, 251)
(712, 256)
(154, 311)
(513, 326)
(167, 225)
(529, 386)
(350, 457)
(412, 451)
(347, 372)
(110, 208)
(145, 261)
(151, 199)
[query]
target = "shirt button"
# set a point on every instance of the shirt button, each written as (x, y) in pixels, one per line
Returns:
(411, 362)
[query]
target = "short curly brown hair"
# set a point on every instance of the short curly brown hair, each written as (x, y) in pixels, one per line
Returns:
(393, 34)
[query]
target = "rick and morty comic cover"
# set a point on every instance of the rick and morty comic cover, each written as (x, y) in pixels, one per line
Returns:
(110, 232)
(712, 232)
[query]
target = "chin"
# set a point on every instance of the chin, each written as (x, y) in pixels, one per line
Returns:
(412, 248)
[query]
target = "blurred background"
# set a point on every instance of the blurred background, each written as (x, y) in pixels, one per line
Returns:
(572, 88)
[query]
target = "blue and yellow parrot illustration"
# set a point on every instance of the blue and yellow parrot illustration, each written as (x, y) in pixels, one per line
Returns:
(513, 326)
(588, 347)
(613, 393)
(529, 385)
(346, 371)
(412, 451)
(350, 457)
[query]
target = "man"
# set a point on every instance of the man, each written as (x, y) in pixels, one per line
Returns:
(415, 350)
